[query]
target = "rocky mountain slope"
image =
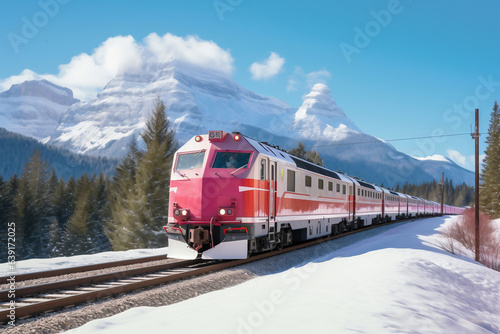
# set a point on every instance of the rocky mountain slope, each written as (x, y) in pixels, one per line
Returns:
(34, 108)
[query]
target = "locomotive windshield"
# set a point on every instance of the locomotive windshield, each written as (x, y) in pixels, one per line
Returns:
(190, 160)
(231, 160)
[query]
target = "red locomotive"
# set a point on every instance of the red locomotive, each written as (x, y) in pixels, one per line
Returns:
(231, 196)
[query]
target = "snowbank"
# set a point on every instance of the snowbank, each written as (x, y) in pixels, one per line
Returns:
(397, 282)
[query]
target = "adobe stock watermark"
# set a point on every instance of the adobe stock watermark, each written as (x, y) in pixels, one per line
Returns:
(31, 25)
(453, 117)
(372, 29)
(264, 309)
(223, 6)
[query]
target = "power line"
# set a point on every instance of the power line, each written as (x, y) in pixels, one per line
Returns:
(397, 139)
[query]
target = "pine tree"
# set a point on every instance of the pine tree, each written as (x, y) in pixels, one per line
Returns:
(99, 213)
(140, 189)
(31, 208)
(122, 224)
(8, 191)
(153, 177)
(490, 187)
(77, 237)
(299, 151)
(5, 211)
(311, 156)
(63, 200)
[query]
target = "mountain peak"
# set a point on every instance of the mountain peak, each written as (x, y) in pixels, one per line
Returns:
(44, 89)
(321, 103)
(319, 116)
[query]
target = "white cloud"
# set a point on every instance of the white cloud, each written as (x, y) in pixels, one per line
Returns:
(191, 49)
(86, 74)
(321, 76)
(294, 80)
(300, 79)
(457, 157)
(464, 161)
(267, 68)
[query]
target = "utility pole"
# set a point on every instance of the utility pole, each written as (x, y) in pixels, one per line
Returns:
(442, 193)
(476, 137)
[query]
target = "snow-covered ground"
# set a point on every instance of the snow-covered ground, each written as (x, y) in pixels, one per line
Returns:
(36, 265)
(399, 281)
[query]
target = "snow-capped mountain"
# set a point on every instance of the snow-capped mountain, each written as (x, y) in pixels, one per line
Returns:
(343, 146)
(320, 118)
(33, 108)
(199, 99)
(196, 100)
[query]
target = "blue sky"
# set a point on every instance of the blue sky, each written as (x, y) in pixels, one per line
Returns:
(399, 69)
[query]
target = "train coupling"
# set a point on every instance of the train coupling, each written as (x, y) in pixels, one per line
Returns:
(199, 236)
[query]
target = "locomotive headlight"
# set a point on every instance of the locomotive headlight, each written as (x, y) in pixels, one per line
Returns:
(177, 212)
(184, 212)
(198, 138)
(237, 137)
(225, 211)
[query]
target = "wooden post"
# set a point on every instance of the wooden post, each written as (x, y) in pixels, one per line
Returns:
(442, 194)
(476, 137)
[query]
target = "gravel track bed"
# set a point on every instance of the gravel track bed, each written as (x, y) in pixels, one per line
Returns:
(86, 273)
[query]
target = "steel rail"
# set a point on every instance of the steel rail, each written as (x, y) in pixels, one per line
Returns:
(75, 282)
(72, 270)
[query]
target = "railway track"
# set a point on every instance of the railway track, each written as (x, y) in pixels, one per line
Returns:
(50, 297)
(80, 269)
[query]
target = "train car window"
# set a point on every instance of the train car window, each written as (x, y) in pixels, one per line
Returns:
(190, 160)
(290, 180)
(330, 186)
(263, 170)
(320, 184)
(231, 160)
(343, 189)
(308, 181)
(350, 190)
(359, 192)
(338, 187)
(272, 172)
